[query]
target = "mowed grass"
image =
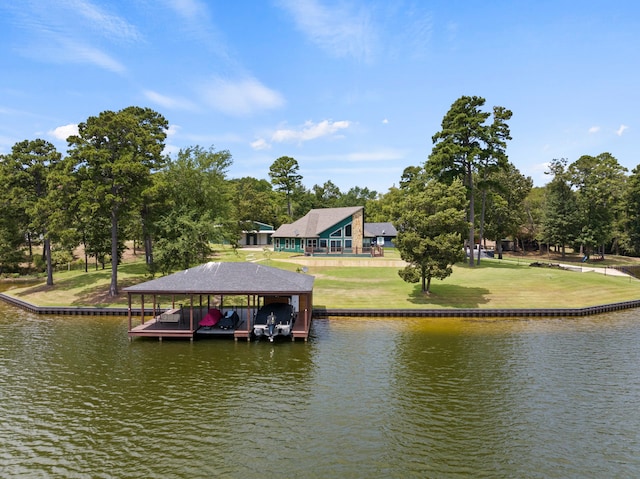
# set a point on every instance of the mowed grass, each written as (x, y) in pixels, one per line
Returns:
(77, 288)
(493, 284)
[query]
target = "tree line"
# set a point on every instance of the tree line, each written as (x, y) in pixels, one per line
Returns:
(116, 184)
(468, 192)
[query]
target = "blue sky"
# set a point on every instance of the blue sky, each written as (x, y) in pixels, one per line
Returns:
(353, 90)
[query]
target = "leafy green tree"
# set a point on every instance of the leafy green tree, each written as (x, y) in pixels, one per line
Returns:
(11, 239)
(357, 196)
(505, 204)
(560, 221)
(303, 201)
(27, 169)
(14, 216)
(326, 196)
(154, 204)
(430, 222)
(600, 183)
(115, 154)
(632, 206)
(284, 176)
(254, 200)
(493, 161)
(533, 207)
(12, 224)
(381, 209)
(466, 145)
(77, 217)
(200, 209)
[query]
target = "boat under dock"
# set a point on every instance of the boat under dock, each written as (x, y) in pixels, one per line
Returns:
(186, 328)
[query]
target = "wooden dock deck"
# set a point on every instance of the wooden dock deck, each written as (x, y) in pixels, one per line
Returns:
(171, 324)
(253, 284)
(155, 328)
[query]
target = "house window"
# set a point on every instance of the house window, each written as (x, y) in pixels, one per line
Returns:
(337, 233)
(347, 243)
(323, 243)
(347, 230)
(312, 243)
(277, 243)
(286, 243)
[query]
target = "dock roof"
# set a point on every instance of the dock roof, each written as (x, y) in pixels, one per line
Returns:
(228, 278)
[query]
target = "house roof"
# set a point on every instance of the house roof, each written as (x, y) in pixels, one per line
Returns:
(228, 278)
(315, 222)
(258, 227)
(380, 229)
(262, 227)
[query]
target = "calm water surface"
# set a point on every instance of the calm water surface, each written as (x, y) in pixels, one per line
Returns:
(364, 398)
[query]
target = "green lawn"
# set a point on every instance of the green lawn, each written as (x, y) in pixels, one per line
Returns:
(493, 284)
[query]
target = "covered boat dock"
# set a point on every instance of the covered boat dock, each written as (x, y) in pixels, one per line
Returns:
(240, 288)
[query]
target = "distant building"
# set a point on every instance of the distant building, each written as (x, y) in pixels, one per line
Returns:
(384, 233)
(333, 231)
(258, 235)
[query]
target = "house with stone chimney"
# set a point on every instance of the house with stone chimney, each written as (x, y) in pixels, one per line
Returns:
(328, 231)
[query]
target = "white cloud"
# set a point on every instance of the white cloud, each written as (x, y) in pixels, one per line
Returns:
(338, 30)
(101, 59)
(260, 144)
(240, 98)
(169, 102)
(173, 130)
(64, 132)
(78, 52)
(194, 20)
(385, 121)
(621, 130)
(310, 131)
(111, 26)
(594, 129)
(418, 29)
(189, 9)
(68, 31)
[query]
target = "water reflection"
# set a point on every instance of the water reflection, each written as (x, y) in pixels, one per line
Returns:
(364, 397)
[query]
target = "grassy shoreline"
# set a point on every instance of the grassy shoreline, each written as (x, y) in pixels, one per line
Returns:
(495, 284)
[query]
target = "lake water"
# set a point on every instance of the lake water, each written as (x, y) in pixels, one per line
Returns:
(364, 398)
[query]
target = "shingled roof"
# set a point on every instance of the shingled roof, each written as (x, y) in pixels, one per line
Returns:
(380, 229)
(228, 278)
(315, 222)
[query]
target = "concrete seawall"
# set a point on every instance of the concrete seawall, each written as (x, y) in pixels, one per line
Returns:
(337, 312)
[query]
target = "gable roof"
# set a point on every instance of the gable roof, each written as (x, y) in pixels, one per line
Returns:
(258, 227)
(380, 229)
(315, 222)
(228, 278)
